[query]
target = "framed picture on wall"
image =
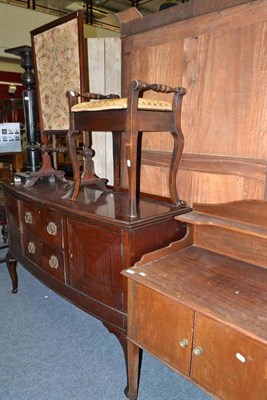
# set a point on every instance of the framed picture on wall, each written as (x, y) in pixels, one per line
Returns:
(10, 138)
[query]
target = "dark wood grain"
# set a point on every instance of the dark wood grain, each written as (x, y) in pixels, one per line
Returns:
(79, 248)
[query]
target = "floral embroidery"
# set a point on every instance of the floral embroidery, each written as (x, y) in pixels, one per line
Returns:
(58, 70)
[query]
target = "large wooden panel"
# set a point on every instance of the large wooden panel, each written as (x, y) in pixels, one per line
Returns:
(220, 57)
(240, 360)
(151, 314)
(104, 60)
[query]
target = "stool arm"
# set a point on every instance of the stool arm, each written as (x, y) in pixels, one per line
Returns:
(73, 97)
(141, 86)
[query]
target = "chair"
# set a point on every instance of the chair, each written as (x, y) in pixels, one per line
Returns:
(131, 115)
(11, 110)
(59, 58)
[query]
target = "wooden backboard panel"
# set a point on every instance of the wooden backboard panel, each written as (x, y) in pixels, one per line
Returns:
(104, 62)
(220, 57)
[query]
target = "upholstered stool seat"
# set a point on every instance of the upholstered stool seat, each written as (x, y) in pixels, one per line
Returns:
(131, 115)
(122, 103)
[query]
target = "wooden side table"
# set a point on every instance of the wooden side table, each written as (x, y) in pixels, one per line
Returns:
(200, 304)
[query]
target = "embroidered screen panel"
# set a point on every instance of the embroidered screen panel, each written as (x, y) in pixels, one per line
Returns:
(58, 70)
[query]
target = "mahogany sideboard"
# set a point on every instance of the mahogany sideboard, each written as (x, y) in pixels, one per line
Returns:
(79, 248)
(200, 304)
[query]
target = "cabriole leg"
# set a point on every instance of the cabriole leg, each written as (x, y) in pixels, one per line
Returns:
(11, 263)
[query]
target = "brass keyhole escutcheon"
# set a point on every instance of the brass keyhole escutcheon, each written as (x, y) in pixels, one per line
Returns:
(51, 228)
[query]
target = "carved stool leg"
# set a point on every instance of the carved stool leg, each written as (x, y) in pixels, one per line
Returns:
(71, 145)
(117, 160)
(178, 146)
(131, 144)
(11, 263)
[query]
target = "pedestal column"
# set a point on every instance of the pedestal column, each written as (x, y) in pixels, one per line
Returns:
(29, 99)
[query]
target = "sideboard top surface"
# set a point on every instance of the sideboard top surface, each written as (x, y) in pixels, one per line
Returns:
(222, 287)
(108, 207)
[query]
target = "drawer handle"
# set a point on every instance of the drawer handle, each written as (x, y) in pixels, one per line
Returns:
(183, 343)
(197, 351)
(53, 262)
(28, 217)
(31, 248)
(52, 229)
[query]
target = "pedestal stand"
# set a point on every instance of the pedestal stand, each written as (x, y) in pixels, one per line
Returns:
(30, 110)
(33, 170)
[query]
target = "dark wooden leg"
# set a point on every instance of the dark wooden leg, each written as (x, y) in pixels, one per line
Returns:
(71, 145)
(131, 142)
(133, 359)
(46, 170)
(134, 363)
(117, 160)
(11, 263)
(178, 146)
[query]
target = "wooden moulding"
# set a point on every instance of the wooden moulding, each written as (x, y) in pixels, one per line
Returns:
(237, 229)
(216, 164)
(193, 8)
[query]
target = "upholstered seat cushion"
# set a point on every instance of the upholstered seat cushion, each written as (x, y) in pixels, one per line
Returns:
(115, 104)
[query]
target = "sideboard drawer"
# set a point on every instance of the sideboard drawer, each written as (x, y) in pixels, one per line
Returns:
(46, 256)
(45, 223)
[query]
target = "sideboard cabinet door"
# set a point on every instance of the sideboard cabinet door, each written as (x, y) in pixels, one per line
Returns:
(95, 262)
(162, 326)
(227, 362)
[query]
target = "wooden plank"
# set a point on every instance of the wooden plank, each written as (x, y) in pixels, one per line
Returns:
(251, 212)
(238, 245)
(128, 15)
(197, 218)
(96, 62)
(211, 283)
(228, 165)
(112, 85)
(220, 57)
(180, 12)
(229, 19)
(104, 59)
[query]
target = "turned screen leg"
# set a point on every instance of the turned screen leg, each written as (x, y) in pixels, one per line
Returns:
(11, 263)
